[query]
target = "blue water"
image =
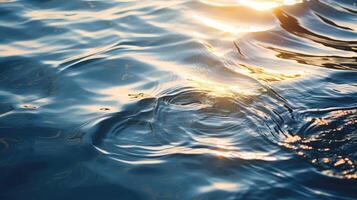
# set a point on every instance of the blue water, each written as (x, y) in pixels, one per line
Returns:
(178, 99)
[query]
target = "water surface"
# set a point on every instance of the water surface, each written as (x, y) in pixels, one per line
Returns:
(179, 99)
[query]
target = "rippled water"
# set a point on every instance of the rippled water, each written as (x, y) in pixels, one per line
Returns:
(179, 99)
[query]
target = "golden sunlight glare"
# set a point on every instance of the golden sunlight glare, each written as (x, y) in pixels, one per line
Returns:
(267, 4)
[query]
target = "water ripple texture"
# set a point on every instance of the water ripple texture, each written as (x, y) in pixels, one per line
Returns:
(179, 99)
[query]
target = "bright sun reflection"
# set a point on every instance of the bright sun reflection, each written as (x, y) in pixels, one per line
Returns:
(229, 28)
(267, 4)
(218, 147)
(221, 89)
(220, 185)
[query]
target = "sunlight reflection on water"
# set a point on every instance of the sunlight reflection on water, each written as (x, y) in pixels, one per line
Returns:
(267, 4)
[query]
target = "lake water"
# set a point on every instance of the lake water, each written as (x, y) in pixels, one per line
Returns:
(178, 99)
